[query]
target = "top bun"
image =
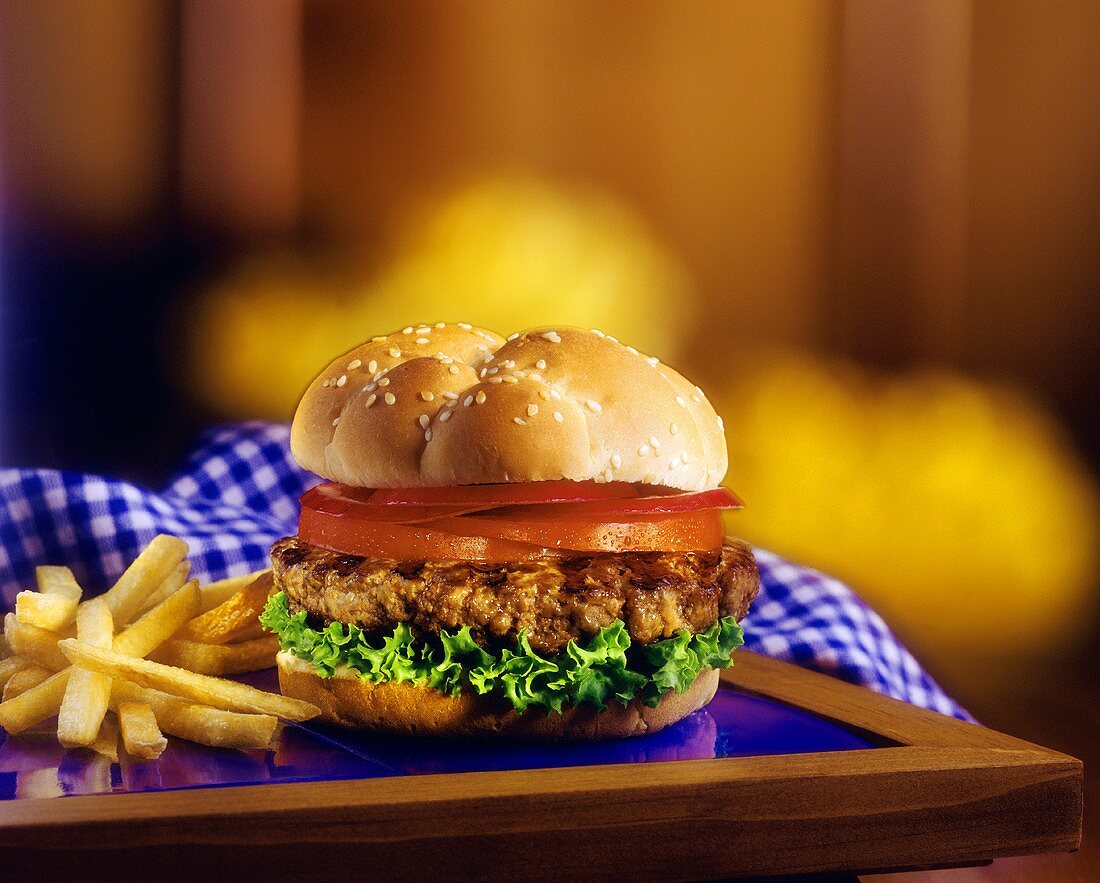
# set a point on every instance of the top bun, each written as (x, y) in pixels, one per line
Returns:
(437, 405)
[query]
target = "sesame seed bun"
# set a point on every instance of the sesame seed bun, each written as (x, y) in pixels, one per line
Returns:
(438, 405)
(349, 701)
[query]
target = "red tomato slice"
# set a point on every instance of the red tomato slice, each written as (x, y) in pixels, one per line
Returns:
(519, 493)
(401, 542)
(609, 510)
(680, 532)
(337, 499)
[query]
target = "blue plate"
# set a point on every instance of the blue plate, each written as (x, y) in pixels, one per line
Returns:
(735, 724)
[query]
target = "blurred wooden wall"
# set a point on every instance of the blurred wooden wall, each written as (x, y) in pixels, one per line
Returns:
(904, 182)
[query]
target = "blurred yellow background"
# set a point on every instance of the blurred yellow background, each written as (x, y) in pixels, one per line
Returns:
(869, 230)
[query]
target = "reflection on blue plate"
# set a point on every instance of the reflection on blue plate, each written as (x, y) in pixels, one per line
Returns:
(735, 724)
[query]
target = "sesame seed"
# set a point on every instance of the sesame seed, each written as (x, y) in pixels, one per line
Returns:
(674, 428)
(465, 326)
(509, 379)
(555, 394)
(534, 375)
(532, 410)
(378, 374)
(373, 398)
(680, 401)
(496, 379)
(698, 396)
(544, 395)
(423, 329)
(466, 402)
(632, 351)
(598, 333)
(354, 363)
(480, 397)
(422, 340)
(326, 382)
(408, 329)
(513, 336)
(721, 425)
(490, 358)
(643, 451)
(683, 456)
(372, 366)
(445, 416)
(509, 363)
(494, 370)
(342, 379)
(426, 395)
(608, 475)
(673, 463)
(558, 417)
(653, 361)
(552, 336)
(594, 406)
(440, 324)
(335, 421)
(612, 339)
(423, 421)
(427, 435)
(519, 420)
(616, 461)
(453, 369)
(390, 398)
(450, 396)
(656, 442)
(378, 339)
(385, 381)
(541, 364)
(370, 387)
(395, 352)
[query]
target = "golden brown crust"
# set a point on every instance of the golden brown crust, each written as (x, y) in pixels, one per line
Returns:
(347, 700)
(453, 404)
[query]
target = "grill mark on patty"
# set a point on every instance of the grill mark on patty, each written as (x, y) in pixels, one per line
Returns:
(554, 599)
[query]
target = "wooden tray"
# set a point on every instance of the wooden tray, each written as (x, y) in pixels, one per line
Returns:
(931, 792)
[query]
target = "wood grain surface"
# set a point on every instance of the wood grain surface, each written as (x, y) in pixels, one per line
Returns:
(939, 792)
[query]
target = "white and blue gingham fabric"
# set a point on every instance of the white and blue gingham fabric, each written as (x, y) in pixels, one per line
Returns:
(238, 492)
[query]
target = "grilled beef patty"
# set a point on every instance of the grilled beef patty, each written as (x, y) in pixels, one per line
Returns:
(554, 599)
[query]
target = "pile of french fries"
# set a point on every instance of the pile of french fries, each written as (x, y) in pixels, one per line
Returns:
(141, 660)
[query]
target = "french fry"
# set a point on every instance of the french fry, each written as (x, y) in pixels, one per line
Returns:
(54, 605)
(57, 581)
(143, 576)
(227, 695)
(200, 723)
(37, 704)
(141, 736)
(232, 617)
(10, 666)
(170, 584)
(218, 659)
(251, 634)
(222, 590)
(144, 636)
(30, 676)
(34, 643)
(106, 740)
(160, 623)
(85, 702)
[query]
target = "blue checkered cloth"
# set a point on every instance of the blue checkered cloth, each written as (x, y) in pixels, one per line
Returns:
(238, 492)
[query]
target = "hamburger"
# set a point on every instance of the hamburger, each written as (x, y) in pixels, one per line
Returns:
(516, 537)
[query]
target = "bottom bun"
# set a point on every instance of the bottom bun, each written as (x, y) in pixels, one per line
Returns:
(348, 700)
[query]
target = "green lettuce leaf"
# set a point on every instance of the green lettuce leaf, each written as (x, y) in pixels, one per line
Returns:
(608, 668)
